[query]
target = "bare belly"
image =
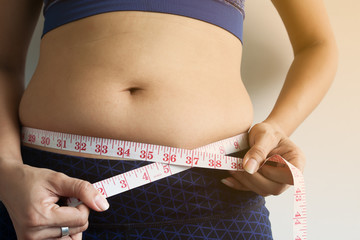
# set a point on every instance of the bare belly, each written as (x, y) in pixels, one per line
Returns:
(139, 76)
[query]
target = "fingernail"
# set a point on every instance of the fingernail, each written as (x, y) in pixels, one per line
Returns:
(101, 203)
(251, 166)
(227, 182)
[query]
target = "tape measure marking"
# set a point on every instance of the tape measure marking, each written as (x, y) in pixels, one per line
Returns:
(167, 161)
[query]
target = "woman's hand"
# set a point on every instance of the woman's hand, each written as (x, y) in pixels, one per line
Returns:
(31, 198)
(266, 140)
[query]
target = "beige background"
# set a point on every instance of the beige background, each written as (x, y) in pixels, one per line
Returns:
(328, 137)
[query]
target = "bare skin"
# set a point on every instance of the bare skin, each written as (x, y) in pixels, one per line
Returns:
(149, 78)
(146, 77)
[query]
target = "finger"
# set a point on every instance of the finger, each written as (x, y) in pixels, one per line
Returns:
(77, 236)
(73, 232)
(55, 233)
(289, 151)
(280, 173)
(259, 184)
(83, 190)
(233, 183)
(261, 145)
(68, 216)
(63, 238)
(242, 177)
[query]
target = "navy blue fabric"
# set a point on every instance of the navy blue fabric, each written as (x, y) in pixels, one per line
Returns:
(193, 204)
(220, 13)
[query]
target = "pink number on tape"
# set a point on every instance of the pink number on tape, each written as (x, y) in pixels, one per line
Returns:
(167, 161)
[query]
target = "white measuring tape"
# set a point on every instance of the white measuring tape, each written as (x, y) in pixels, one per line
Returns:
(167, 161)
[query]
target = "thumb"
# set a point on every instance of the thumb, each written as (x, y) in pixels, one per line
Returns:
(255, 157)
(82, 190)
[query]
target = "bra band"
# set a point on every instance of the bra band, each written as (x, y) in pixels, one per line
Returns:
(227, 14)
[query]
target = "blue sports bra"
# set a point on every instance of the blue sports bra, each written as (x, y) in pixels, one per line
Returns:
(227, 14)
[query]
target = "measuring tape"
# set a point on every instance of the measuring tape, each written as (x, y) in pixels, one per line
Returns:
(167, 161)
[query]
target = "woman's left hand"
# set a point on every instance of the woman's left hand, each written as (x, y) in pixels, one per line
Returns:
(266, 140)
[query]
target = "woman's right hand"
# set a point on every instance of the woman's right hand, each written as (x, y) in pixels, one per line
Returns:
(31, 194)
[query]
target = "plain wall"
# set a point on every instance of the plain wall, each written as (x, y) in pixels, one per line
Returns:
(328, 137)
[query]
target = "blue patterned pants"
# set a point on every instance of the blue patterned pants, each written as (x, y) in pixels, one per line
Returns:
(193, 204)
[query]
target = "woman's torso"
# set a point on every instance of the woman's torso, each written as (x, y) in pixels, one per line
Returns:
(140, 76)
